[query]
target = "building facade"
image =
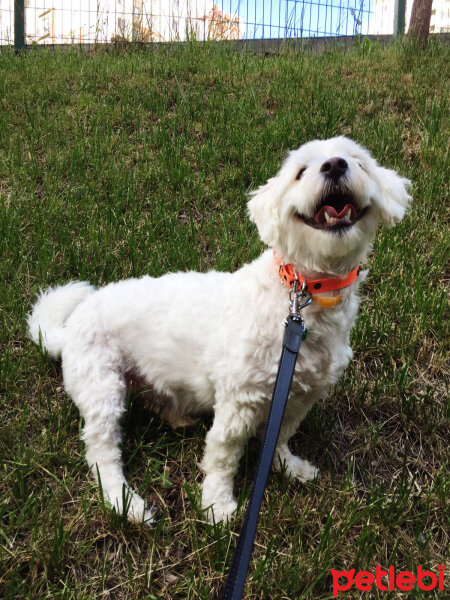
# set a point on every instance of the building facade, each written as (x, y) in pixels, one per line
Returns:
(384, 15)
(88, 21)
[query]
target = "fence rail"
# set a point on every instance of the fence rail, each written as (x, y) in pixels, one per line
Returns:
(44, 22)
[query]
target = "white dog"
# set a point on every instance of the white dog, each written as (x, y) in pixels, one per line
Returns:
(211, 342)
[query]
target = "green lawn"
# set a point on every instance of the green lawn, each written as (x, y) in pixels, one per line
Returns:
(118, 164)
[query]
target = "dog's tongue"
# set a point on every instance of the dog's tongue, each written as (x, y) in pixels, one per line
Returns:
(328, 214)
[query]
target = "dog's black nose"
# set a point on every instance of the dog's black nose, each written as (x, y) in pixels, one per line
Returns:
(334, 167)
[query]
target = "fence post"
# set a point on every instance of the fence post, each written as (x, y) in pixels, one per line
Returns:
(399, 17)
(19, 25)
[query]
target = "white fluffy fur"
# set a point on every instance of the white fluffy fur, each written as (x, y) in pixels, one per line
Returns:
(211, 342)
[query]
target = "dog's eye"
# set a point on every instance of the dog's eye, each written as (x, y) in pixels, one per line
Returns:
(300, 173)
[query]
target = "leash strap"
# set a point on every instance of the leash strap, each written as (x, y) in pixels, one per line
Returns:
(291, 345)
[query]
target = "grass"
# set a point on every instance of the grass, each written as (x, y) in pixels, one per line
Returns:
(118, 164)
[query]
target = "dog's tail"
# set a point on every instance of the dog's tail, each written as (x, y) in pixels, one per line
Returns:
(46, 322)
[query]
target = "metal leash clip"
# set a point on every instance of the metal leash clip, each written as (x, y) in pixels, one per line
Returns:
(298, 299)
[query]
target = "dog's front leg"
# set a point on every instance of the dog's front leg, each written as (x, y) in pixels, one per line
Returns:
(284, 459)
(234, 423)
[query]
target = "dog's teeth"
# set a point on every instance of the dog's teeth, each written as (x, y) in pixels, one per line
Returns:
(348, 214)
(327, 217)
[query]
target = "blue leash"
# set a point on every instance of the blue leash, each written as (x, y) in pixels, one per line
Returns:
(295, 332)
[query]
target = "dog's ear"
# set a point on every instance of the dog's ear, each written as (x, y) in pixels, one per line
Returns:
(394, 196)
(263, 210)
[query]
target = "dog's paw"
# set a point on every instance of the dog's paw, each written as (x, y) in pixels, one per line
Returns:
(219, 511)
(143, 515)
(134, 507)
(305, 471)
(297, 467)
(217, 498)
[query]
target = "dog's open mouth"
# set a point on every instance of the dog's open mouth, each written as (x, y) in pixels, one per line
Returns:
(335, 211)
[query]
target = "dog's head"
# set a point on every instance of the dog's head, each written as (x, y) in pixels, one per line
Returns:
(321, 211)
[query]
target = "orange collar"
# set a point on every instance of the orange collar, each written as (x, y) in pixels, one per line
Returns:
(288, 275)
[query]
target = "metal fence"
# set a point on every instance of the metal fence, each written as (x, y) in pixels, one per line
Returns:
(44, 22)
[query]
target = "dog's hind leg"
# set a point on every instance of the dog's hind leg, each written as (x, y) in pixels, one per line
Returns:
(97, 387)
